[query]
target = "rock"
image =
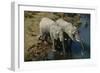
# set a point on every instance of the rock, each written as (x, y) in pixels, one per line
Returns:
(40, 50)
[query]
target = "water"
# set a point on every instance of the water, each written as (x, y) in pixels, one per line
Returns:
(77, 51)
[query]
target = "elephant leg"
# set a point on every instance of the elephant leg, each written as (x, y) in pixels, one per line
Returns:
(53, 45)
(64, 52)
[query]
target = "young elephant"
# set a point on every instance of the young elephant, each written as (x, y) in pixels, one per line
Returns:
(48, 26)
(45, 25)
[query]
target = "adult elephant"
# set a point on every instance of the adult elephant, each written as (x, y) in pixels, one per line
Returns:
(70, 33)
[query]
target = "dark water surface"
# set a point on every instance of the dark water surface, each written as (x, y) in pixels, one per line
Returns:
(77, 52)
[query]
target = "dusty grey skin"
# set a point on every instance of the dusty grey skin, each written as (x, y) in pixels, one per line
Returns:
(69, 29)
(57, 33)
(45, 25)
(49, 26)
